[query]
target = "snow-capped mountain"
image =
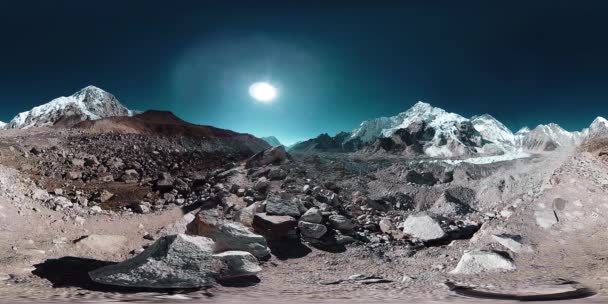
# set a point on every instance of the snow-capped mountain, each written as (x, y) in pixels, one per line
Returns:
(88, 103)
(434, 132)
(453, 135)
(599, 127)
(2, 125)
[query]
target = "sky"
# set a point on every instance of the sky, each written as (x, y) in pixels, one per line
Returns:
(335, 63)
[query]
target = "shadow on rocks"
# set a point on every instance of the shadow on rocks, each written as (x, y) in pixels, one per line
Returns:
(74, 272)
(240, 282)
(288, 249)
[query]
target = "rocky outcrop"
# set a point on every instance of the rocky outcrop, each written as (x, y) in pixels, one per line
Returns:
(424, 227)
(480, 261)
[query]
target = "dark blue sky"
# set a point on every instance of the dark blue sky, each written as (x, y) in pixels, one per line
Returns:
(525, 62)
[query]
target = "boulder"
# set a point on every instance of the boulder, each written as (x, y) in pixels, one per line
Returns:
(341, 222)
(275, 226)
(480, 261)
(179, 226)
(271, 156)
(312, 215)
(423, 227)
(98, 243)
(282, 204)
(261, 184)
(175, 261)
(425, 178)
(229, 235)
(311, 230)
(237, 264)
(245, 215)
(277, 174)
(105, 196)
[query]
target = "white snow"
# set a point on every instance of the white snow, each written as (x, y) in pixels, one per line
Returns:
(91, 102)
(482, 160)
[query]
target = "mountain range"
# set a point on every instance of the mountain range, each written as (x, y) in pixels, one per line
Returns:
(433, 132)
(422, 130)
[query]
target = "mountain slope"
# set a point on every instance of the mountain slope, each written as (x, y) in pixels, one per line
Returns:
(89, 103)
(271, 140)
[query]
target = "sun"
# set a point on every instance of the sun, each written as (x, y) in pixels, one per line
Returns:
(263, 92)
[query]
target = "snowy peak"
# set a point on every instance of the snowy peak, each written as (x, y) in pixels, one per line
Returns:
(88, 103)
(271, 140)
(599, 126)
(493, 130)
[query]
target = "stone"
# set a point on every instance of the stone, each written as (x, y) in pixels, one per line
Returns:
(312, 215)
(245, 215)
(130, 176)
(238, 264)
(105, 195)
(174, 261)
(164, 183)
(261, 184)
(282, 204)
(74, 175)
(96, 209)
(423, 227)
(60, 202)
(512, 242)
(229, 235)
(99, 243)
(58, 191)
(482, 261)
(77, 162)
(275, 226)
(425, 178)
(341, 222)
(277, 174)
(545, 218)
(311, 230)
(180, 185)
(386, 226)
(142, 207)
(271, 156)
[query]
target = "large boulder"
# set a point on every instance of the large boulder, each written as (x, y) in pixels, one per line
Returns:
(175, 261)
(275, 226)
(424, 227)
(480, 261)
(272, 156)
(282, 204)
(229, 235)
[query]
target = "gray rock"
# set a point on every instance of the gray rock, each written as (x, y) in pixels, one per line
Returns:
(312, 215)
(105, 196)
(282, 204)
(261, 184)
(449, 205)
(74, 175)
(175, 261)
(341, 222)
(60, 202)
(179, 226)
(311, 230)
(277, 174)
(164, 183)
(229, 235)
(272, 156)
(424, 227)
(480, 261)
(238, 264)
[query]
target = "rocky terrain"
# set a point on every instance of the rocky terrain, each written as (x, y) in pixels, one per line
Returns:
(148, 207)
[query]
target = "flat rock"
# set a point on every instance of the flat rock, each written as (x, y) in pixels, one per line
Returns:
(545, 218)
(275, 226)
(480, 261)
(281, 204)
(341, 222)
(512, 242)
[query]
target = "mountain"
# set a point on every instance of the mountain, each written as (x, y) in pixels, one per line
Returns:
(271, 140)
(431, 131)
(165, 123)
(87, 104)
(2, 125)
